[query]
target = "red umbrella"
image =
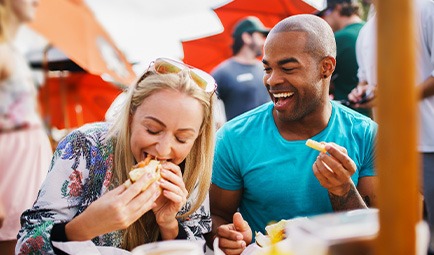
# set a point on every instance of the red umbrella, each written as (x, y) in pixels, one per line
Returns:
(75, 99)
(207, 52)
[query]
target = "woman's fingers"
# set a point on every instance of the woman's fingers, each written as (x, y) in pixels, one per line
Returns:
(172, 183)
(144, 201)
(137, 187)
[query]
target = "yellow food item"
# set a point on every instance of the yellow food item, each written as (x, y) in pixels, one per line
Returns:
(316, 145)
(276, 231)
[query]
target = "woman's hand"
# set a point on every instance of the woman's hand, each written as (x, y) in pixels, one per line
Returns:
(115, 210)
(174, 196)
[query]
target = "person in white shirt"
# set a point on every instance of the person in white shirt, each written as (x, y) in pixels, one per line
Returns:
(366, 56)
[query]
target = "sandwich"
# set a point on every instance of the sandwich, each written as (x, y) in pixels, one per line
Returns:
(147, 166)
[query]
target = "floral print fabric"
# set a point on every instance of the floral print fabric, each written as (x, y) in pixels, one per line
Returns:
(79, 174)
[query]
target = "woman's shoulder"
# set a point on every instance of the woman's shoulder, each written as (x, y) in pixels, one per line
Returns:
(93, 133)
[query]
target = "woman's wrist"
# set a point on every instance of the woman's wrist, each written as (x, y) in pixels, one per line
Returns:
(77, 230)
(170, 230)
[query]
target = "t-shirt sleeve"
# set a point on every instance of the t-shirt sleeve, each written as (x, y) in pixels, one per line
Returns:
(368, 167)
(226, 173)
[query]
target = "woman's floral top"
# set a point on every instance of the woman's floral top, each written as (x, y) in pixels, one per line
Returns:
(79, 174)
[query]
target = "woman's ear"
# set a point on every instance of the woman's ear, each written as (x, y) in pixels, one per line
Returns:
(328, 65)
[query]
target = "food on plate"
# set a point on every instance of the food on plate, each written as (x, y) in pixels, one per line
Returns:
(316, 145)
(148, 165)
(275, 233)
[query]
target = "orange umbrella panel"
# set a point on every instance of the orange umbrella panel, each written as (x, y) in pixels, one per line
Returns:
(75, 99)
(71, 26)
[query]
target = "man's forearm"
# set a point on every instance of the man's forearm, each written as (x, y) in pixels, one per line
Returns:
(427, 88)
(348, 201)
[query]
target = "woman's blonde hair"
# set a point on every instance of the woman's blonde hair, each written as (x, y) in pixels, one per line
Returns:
(198, 163)
(5, 16)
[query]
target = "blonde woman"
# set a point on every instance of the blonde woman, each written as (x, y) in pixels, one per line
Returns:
(167, 115)
(25, 150)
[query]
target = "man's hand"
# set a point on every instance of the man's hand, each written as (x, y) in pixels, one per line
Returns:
(234, 237)
(334, 171)
(363, 96)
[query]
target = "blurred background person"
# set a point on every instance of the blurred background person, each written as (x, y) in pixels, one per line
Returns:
(25, 150)
(2, 215)
(239, 78)
(343, 16)
(366, 56)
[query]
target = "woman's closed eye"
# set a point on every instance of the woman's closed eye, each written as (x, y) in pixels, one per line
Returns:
(153, 132)
(185, 138)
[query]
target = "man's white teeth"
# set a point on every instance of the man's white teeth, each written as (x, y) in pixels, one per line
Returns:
(285, 94)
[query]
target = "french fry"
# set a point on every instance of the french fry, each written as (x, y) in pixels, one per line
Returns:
(316, 145)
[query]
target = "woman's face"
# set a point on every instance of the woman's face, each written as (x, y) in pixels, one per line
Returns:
(166, 126)
(24, 9)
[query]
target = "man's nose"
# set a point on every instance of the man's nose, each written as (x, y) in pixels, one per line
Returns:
(273, 78)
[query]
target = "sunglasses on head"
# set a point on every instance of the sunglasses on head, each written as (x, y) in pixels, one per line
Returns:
(201, 78)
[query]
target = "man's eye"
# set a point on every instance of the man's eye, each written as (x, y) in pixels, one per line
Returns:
(287, 70)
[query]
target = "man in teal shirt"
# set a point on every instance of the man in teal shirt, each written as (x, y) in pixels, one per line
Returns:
(344, 18)
(263, 171)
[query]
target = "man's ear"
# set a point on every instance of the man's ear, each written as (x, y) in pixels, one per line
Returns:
(328, 65)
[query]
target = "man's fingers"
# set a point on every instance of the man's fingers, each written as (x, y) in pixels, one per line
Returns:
(231, 246)
(340, 154)
(239, 223)
(228, 232)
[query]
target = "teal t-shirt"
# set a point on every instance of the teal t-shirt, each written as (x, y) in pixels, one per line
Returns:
(275, 175)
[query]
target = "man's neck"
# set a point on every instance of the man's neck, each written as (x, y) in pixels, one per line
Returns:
(349, 20)
(307, 127)
(245, 56)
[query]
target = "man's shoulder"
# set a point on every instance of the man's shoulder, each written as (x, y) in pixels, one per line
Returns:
(350, 32)
(345, 113)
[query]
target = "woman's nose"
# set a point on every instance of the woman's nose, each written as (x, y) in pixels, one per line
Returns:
(164, 147)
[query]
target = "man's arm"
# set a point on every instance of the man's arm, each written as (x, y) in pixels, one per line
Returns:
(223, 203)
(427, 88)
(334, 170)
(362, 197)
